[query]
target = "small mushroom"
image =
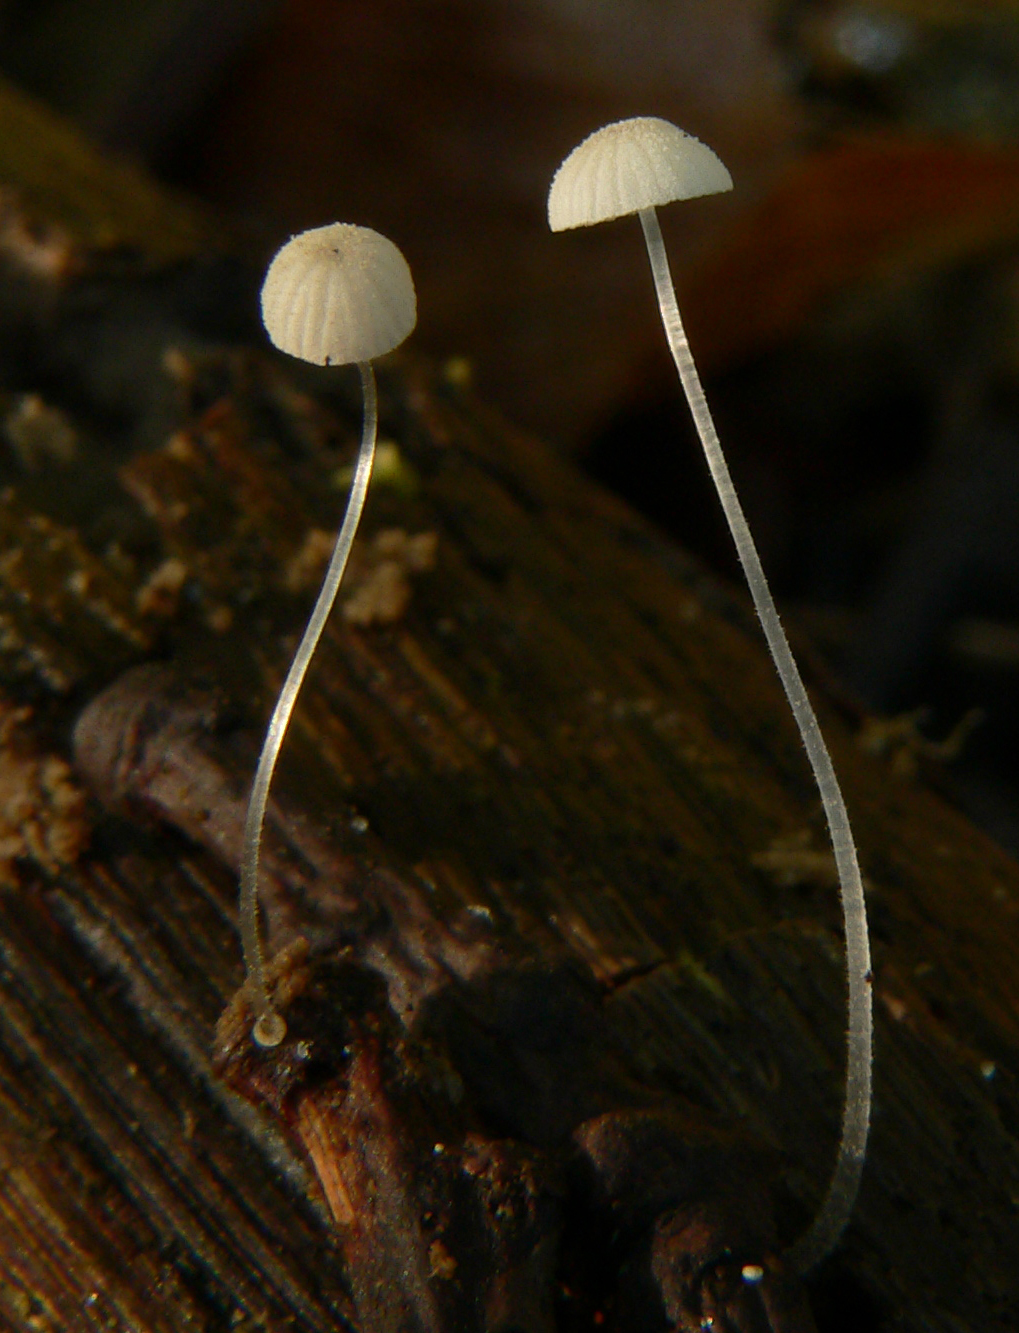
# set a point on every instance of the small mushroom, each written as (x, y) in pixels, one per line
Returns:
(633, 166)
(335, 295)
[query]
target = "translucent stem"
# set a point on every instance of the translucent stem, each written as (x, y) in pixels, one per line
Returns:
(270, 1027)
(827, 1227)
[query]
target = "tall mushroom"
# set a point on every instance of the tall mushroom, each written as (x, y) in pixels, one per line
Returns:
(335, 295)
(633, 166)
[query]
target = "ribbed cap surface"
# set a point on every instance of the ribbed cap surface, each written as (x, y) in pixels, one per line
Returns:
(338, 294)
(630, 165)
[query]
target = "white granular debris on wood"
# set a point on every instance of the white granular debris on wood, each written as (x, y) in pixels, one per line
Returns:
(441, 1262)
(791, 861)
(377, 585)
(42, 808)
(39, 434)
(40, 249)
(159, 595)
(305, 567)
(381, 599)
(380, 591)
(416, 554)
(900, 742)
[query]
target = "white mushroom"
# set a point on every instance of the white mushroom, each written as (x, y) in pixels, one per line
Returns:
(629, 166)
(633, 166)
(338, 295)
(334, 295)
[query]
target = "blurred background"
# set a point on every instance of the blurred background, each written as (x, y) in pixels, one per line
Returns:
(854, 303)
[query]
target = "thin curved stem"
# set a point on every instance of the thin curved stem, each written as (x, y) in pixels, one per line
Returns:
(270, 1027)
(823, 1234)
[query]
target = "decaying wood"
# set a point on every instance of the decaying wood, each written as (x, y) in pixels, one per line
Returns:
(83, 197)
(546, 879)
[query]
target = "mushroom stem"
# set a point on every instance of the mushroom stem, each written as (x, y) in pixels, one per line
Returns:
(270, 1026)
(823, 1234)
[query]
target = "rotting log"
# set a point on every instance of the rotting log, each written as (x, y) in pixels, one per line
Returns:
(535, 732)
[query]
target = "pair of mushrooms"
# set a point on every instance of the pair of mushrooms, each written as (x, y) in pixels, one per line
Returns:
(342, 294)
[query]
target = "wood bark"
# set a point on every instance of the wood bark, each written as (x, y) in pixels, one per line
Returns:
(534, 727)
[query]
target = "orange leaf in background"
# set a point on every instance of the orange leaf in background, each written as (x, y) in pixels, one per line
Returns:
(867, 210)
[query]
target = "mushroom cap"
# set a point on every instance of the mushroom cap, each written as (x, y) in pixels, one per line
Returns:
(630, 165)
(338, 294)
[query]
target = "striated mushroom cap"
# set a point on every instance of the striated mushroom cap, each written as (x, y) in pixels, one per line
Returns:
(630, 165)
(338, 294)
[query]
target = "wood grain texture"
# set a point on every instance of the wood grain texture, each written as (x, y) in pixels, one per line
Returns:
(570, 737)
